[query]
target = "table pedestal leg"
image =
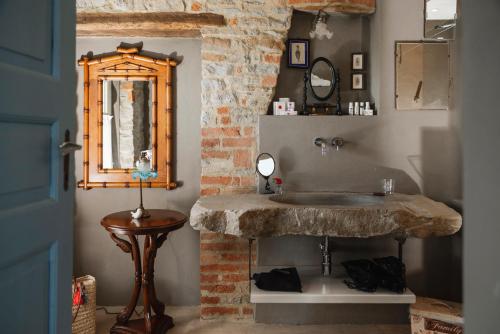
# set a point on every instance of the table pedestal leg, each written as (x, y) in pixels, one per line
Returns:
(126, 313)
(159, 323)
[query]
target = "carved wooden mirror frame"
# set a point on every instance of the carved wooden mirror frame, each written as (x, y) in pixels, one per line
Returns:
(127, 64)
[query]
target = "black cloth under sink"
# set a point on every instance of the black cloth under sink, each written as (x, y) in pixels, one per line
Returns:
(283, 279)
(369, 275)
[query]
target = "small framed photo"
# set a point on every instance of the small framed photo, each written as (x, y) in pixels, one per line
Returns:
(358, 61)
(358, 81)
(298, 53)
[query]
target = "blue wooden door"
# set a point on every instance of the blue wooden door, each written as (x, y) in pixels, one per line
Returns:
(37, 106)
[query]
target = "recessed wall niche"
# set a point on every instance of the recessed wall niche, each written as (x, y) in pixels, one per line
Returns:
(351, 34)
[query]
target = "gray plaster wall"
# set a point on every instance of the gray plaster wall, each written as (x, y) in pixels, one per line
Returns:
(177, 264)
(420, 149)
(480, 53)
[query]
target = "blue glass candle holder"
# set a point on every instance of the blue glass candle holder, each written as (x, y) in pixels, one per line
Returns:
(143, 175)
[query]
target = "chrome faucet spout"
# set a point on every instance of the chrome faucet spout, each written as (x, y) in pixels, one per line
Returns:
(338, 142)
(326, 263)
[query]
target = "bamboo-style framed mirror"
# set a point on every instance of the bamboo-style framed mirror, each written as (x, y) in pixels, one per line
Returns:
(128, 114)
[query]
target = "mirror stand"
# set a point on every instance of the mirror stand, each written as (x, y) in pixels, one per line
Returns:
(267, 187)
(304, 104)
(338, 106)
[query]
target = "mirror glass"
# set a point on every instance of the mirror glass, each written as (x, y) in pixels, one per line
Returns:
(265, 164)
(322, 78)
(126, 128)
(422, 75)
(440, 19)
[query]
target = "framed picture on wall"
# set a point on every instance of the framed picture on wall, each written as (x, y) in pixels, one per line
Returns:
(358, 61)
(358, 81)
(298, 53)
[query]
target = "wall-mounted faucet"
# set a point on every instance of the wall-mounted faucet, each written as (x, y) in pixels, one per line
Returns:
(321, 142)
(337, 143)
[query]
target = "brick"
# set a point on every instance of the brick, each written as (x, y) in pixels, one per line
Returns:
(269, 80)
(213, 57)
(196, 6)
(220, 267)
(248, 310)
(231, 132)
(235, 278)
(209, 258)
(211, 132)
(217, 132)
(223, 110)
(230, 237)
(220, 288)
(235, 257)
(218, 310)
(235, 181)
(209, 278)
(217, 42)
(223, 246)
(238, 142)
(272, 58)
(215, 155)
(248, 131)
(209, 191)
(210, 142)
(247, 181)
(209, 300)
(242, 158)
(226, 120)
(219, 180)
(211, 236)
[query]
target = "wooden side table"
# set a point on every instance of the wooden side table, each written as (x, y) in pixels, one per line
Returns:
(155, 230)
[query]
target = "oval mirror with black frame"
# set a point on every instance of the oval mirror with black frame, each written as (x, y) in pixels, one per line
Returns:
(324, 81)
(322, 78)
(265, 167)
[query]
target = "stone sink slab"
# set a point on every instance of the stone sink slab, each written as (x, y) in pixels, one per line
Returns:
(255, 215)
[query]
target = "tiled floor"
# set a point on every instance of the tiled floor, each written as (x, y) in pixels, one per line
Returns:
(187, 322)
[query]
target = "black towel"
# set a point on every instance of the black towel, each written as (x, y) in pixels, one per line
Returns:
(366, 275)
(284, 279)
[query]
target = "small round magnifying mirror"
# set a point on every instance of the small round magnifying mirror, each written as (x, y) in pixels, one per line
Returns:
(265, 167)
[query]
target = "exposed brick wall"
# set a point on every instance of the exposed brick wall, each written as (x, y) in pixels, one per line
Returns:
(240, 66)
(224, 276)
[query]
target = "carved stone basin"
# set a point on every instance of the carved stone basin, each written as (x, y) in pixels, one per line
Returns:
(329, 199)
(320, 214)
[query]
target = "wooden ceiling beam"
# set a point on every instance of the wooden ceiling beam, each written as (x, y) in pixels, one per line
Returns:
(161, 24)
(362, 7)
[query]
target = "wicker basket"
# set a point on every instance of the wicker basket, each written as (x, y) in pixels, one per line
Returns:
(84, 322)
(433, 316)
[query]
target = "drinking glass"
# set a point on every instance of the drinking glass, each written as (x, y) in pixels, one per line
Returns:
(388, 186)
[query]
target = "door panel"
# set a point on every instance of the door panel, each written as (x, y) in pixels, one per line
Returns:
(24, 184)
(29, 40)
(37, 105)
(38, 295)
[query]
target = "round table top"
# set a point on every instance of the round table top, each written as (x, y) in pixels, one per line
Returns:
(160, 221)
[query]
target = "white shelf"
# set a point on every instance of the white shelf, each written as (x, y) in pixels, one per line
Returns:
(329, 290)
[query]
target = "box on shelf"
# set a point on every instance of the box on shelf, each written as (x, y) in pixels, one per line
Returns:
(284, 107)
(434, 316)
